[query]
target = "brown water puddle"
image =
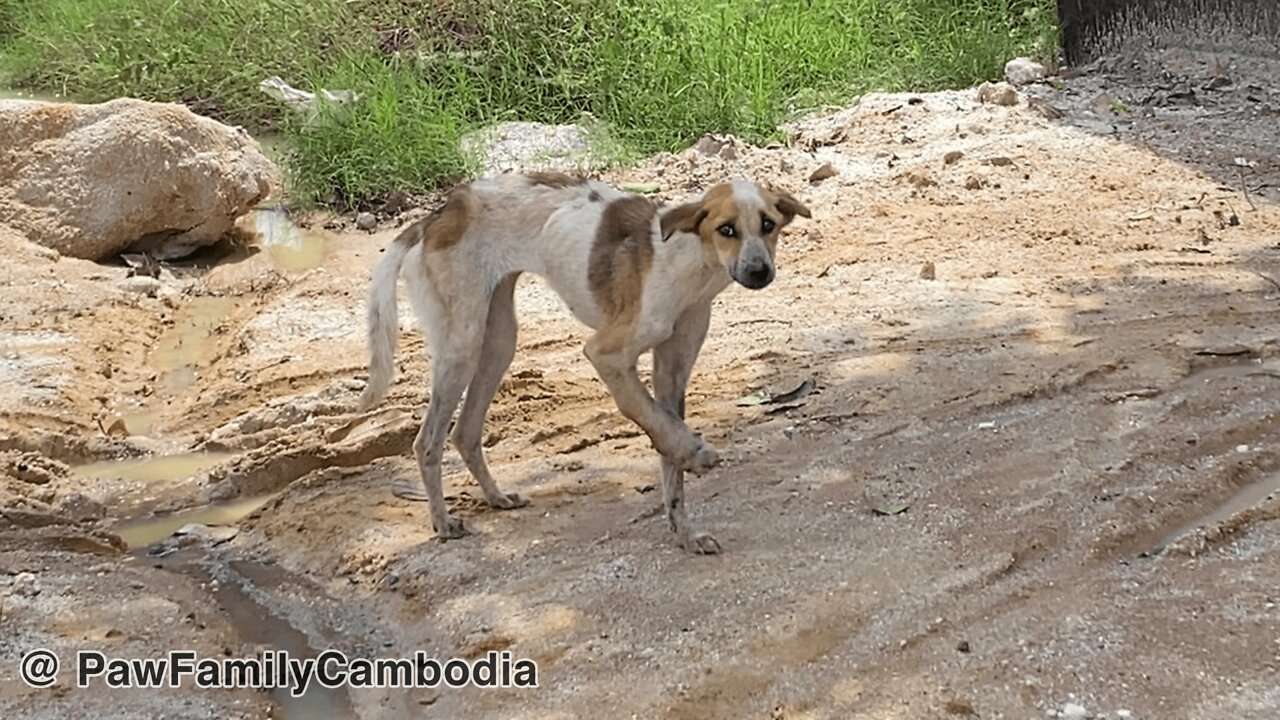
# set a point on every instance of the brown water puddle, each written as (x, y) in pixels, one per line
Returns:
(256, 623)
(151, 469)
(169, 469)
(1243, 499)
(290, 247)
(143, 532)
(181, 351)
(238, 589)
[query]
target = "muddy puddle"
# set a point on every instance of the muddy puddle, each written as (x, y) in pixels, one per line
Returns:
(181, 352)
(291, 247)
(150, 469)
(257, 623)
(242, 589)
(144, 532)
(1243, 499)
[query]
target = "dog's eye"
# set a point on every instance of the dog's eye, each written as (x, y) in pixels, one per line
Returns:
(767, 225)
(727, 230)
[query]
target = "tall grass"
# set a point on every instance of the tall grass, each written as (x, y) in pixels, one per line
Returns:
(658, 73)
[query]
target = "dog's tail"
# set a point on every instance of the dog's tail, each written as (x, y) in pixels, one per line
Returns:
(384, 318)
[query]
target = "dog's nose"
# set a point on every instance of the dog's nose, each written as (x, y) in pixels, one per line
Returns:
(756, 275)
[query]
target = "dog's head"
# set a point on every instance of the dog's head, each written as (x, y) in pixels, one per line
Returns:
(739, 222)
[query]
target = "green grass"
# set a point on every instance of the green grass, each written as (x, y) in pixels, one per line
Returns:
(657, 73)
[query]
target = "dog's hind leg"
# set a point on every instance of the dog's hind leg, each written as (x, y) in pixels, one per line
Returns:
(495, 357)
(673, 362)
(455, 328)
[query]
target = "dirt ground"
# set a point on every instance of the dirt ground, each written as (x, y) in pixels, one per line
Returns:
(1034, 477)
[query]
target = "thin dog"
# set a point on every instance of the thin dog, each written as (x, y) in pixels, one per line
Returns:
(642, 276)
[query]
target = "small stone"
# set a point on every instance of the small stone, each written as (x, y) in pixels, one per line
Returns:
(963, 646)
(1124, 713)
(367, 221)
(997, 94)
(144, 285)
(709, 145)
(961, 706)
(928, 271)
(25, 585)
(1024, 71)
(82, 507)
(1242, 448)
(211, 534)
(1074, 711)
(1045, 108)
(952, 157)
(973, 182)
(826, 171)
(729, 152)
(118, 428)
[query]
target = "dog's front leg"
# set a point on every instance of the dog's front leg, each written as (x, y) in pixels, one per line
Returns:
(615, 362)
(673, 363)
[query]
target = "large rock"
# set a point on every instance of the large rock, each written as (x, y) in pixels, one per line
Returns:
(93, 180)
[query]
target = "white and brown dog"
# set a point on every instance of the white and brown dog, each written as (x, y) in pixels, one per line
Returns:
(640, 275)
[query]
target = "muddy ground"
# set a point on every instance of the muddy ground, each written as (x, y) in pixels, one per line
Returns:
(1034, 476)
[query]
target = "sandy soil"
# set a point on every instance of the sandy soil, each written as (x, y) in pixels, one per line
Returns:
(1034, 480)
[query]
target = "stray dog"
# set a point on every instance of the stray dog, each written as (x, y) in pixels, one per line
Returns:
(642, 276)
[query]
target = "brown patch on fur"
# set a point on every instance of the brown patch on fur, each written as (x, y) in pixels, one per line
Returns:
(682, 218)
(787, 205)
(719, 206)
(555, 179)
(621, 256)
(445, 227)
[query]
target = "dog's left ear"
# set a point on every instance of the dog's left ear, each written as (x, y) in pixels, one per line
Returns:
(789, 206)
(682, 218)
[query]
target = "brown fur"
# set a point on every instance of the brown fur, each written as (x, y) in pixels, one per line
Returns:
(717, 207)
(621, 256)
(445, 227)
(555, 180)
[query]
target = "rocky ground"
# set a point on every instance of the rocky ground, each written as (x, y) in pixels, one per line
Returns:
(1027, 468)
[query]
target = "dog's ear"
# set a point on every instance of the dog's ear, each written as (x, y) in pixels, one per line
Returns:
(682, 218)
(789, 206)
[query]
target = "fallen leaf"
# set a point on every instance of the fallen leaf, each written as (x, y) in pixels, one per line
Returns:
(755, 398)
(827, 170)
(642, 188)
(889, 510)
(803, 389)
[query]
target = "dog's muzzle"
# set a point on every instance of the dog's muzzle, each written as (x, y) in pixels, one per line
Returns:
(754, 274)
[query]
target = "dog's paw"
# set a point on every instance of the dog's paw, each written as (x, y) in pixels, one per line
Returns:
(507, 501)
(702, 460)
(701, 544)
(453, 529)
